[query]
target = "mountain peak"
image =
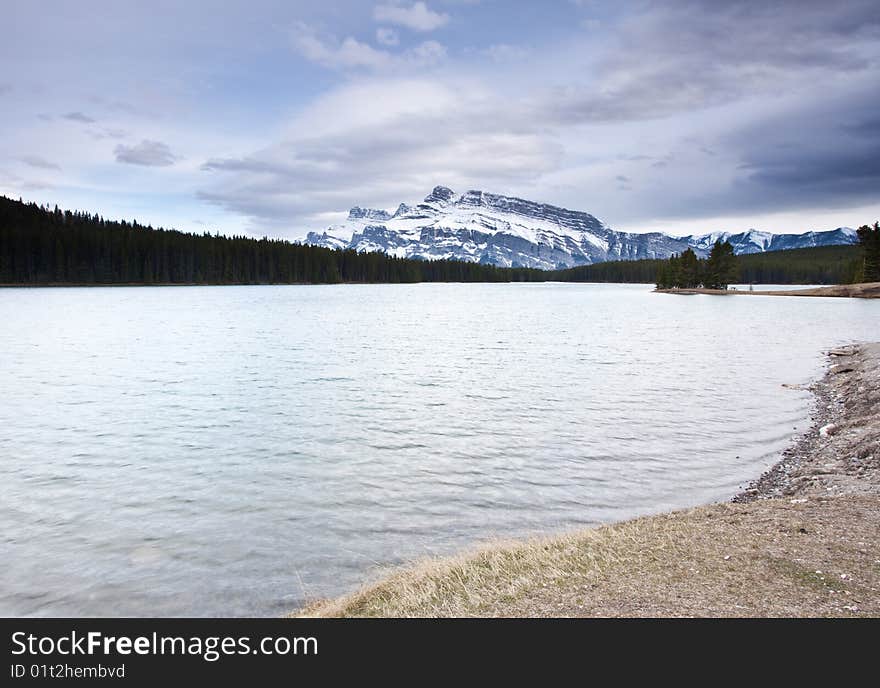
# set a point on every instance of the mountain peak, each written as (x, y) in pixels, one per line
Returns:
(441, 194)
(474, 197)
(358, 213)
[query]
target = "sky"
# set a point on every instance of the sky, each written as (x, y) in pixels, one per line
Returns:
(274, 117)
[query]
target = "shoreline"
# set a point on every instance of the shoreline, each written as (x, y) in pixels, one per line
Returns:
(863, 290)
(845, 409)
(803, 539)
(866, 290)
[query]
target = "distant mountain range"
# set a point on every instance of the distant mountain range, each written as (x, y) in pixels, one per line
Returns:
(512, 232)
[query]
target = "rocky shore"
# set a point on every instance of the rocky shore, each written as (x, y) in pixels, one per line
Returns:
(864, 290)
(802, 540)
(840, 454)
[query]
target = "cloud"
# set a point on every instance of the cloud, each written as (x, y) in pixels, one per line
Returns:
(36, 185)
(109, 133)
(349, 53)
(14, 181)
(426, 54)
(79, 117)
(148, 153)
(671, 58)
(540, 107)
(120, 106)
(426, 133)
(38, 162)
(602, 127)
(418, 17)
(799, 156)
(387, 36)
(824, 154)
(352, 54)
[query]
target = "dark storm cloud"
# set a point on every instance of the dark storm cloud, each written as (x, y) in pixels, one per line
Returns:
(868, 126)
(853, 172)
(148, 153)
(809, 156)
(827, 154)
(673, 57)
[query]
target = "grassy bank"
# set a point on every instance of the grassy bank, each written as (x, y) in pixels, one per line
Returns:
(766, 558)
(804, 540)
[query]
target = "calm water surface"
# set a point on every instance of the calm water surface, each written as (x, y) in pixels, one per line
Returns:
(236, 450)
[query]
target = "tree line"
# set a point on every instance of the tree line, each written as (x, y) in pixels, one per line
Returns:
(687, 271)
(818, 265)
(39, 245)
(43, 246)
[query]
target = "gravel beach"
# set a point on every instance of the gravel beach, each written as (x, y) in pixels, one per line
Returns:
(840, 454)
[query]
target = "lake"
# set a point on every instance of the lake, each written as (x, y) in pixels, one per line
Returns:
(238, 450)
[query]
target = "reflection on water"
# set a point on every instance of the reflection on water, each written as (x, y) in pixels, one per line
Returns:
(235, 450)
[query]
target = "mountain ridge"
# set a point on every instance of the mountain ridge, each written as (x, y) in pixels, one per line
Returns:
(507, 231)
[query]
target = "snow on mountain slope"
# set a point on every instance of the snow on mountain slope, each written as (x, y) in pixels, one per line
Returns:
(512, 232)
(754, 241)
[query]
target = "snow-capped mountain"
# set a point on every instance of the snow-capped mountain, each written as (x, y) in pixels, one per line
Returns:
(755, 241)
(512, 232)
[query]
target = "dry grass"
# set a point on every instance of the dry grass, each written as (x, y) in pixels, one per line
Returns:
(813, 557)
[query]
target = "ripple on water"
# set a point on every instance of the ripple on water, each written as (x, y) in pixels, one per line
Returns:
(189, 451)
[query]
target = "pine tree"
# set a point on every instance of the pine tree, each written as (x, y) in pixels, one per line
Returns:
(869, 238)
(664, 280)
(690, 269)
(720, 268)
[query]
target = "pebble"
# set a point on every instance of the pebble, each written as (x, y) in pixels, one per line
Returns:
(827, 430)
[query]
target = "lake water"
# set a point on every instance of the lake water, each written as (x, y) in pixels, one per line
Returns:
(236, 450)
